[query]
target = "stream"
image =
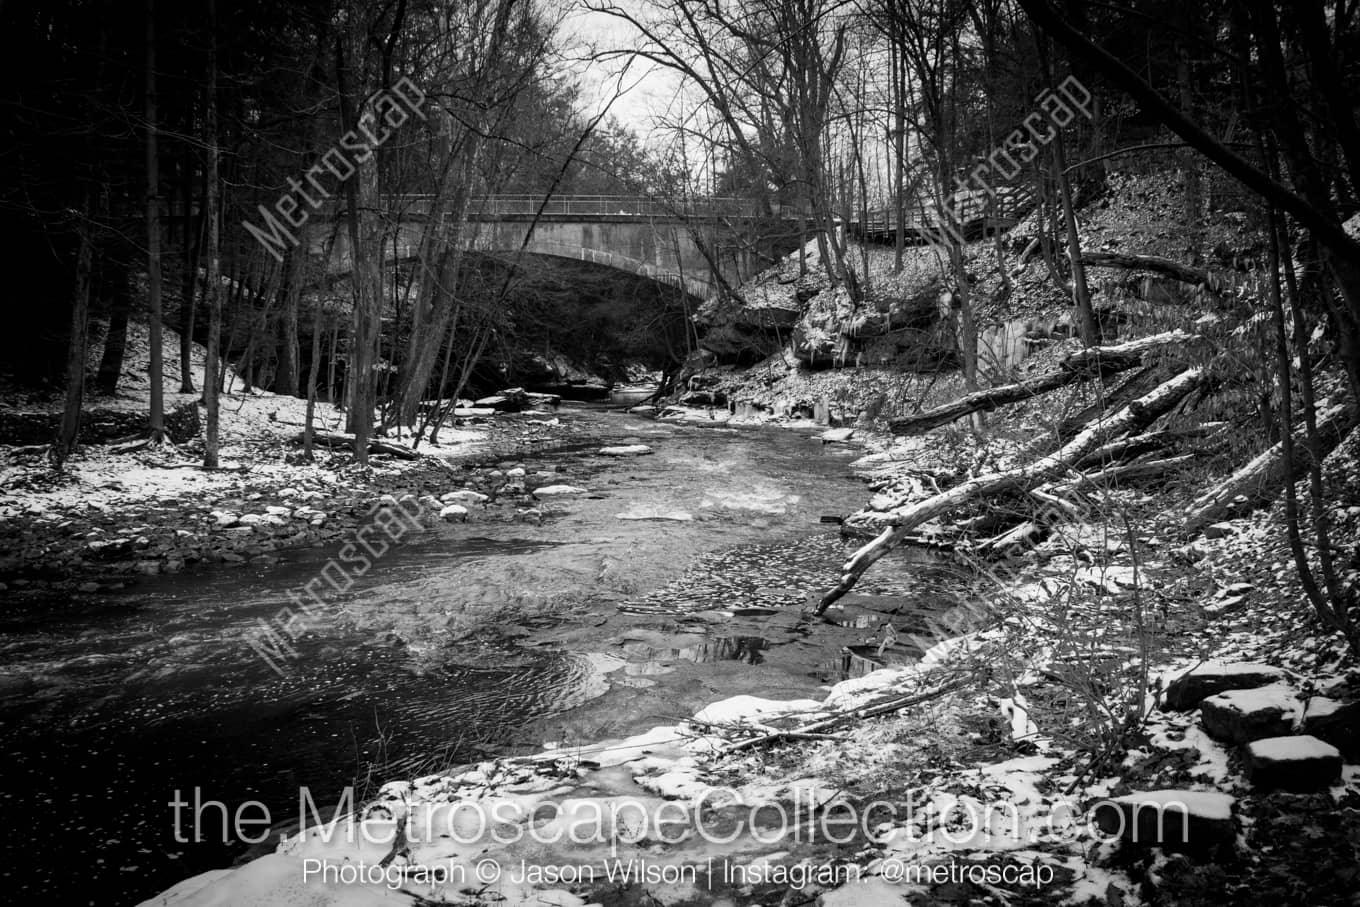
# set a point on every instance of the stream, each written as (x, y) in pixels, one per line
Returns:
(677, 581)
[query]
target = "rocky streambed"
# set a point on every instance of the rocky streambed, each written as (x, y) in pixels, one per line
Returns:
(630, 572)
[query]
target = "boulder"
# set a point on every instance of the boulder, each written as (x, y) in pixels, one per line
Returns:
(224, 519)
(1300, 764)
(538, 399)
(1240, 716)
(1187, 691)
(625, 450)
(510, 400)
(1337, 723)
(453, 512)
(1177, 820)
(466, 496)
(837, 435)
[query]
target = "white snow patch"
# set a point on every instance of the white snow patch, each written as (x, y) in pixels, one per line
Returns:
(555, 491)
(1207, 804)
(642, 512)
(1275, 696)
(625, 450)
(1288, 749)
(866, 893)
(1320, 707)
(747, 708)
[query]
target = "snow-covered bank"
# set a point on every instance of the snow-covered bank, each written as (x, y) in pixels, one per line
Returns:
(982, 785)
(117, 511)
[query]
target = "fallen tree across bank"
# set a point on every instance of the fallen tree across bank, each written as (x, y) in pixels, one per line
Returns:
(1132, 418)
(1259, 481)
(1164, 266)
(1083, 365)
(338, 439)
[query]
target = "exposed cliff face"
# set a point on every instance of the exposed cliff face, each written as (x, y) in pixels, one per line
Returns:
(904, 319)
(904, 334)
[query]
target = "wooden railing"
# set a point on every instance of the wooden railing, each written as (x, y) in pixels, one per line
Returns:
(964, 210)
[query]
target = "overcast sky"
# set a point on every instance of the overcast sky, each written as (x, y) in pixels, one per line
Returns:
(649, 92)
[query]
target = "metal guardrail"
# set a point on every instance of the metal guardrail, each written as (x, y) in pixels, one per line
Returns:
(492, 206)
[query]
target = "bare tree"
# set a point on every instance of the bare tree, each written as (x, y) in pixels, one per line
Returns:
(213, 279)
(156, 368)
(767, 71)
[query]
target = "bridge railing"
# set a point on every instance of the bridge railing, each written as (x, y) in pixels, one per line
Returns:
(492, 206)
(1005, 205)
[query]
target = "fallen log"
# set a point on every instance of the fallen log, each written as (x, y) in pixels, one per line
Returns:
(1134, 417)
(1127, 448)
(1115, 474)
(338, 439)
(1026, 535)
(1257, 483)
(1131, 388)
(1164, 266)
(1083, 365)
(1055, 502)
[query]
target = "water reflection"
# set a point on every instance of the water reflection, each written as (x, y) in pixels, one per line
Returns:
(470, 639)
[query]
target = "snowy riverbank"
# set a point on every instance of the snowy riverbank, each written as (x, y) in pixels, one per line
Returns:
(117, 512)
(979, 771)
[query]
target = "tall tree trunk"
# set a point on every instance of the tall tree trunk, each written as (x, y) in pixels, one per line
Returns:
(1081, 294)
(331, 362)
(115, 340)
(193, 238)
(425, 346)
(365, 274)
(213, 283)
(318, 313)
(69, 428)
(899, 96)
(1186, 19)
(156, 367)
(287, 380)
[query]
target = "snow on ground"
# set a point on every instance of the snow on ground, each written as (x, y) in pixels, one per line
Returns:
(1078, 639)
(256, 429)
(117, 510)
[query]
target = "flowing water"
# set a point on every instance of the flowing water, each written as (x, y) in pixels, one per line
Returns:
(677, 581)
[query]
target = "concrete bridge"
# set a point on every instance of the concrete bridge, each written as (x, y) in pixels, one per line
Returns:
(638, 235)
